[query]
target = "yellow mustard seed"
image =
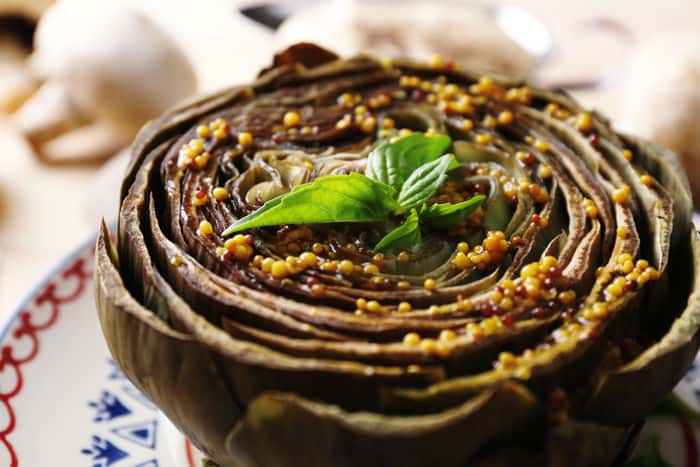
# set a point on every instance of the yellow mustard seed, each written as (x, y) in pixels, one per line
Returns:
(544, 171)
(202, 160)
(243, 252)
(368, 124)
(404, 257)
(404, 307)
(308, 259)
(203, 131)
(411, 339)
(220, 193)
(627, 267)
(506, 360)
(222, 132)
(448, 335)
(567, 297)
(343, 123)
(622, 195)
(584, 121)
(279, 269)
(460, 261)
(541, 145)
(490, 121)
(291, 119)
(205, 228)
(483, 139)
(346, 267)
(430, 284)
(428, 345)
(196, 146)
(245, 139)
(505, 117)
(266, 264)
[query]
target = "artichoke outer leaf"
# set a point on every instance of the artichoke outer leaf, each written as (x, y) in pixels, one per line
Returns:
(577, 443)
(659, 367)
(190, 391)
(282, 429)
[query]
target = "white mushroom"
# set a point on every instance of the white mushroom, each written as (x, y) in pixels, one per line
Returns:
(116, 68)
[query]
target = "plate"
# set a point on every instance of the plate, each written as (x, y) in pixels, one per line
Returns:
(63, 401)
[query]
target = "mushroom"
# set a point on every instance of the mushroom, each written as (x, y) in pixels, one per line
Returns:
(105, 69)
(18, 20)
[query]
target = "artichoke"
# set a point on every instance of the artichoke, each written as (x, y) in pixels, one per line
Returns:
(538, 329)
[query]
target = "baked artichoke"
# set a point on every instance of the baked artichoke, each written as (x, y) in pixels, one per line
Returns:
(363, 262)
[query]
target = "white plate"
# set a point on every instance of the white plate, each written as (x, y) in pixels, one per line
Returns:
(64, 403)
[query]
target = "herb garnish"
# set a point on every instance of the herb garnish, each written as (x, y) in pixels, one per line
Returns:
(400, 178)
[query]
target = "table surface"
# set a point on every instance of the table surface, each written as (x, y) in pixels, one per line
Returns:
(45, 212)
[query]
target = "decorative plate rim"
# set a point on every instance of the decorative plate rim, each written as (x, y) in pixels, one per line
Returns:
(44, 280)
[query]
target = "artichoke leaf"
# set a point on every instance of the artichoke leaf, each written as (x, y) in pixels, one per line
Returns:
(284, 429)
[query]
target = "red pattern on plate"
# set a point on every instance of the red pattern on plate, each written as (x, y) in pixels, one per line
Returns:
(189, 452)
(75, 273)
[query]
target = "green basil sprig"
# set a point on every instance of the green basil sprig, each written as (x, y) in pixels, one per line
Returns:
(393, 163)
(329, 199)
(400, 178)
(403, 236)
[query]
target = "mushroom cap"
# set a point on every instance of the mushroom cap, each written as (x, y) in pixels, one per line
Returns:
(116, 64)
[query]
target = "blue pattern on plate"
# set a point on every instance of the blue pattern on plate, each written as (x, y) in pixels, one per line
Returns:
(103, 453)
(108, 408)
(121, 431)
(143, 434)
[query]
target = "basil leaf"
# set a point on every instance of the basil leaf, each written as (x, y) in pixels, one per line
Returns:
(403, 236)
(333, 198)
(393, 163)
(424, 182)
(444, 216)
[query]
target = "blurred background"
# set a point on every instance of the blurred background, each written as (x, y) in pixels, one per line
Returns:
(79, 77)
